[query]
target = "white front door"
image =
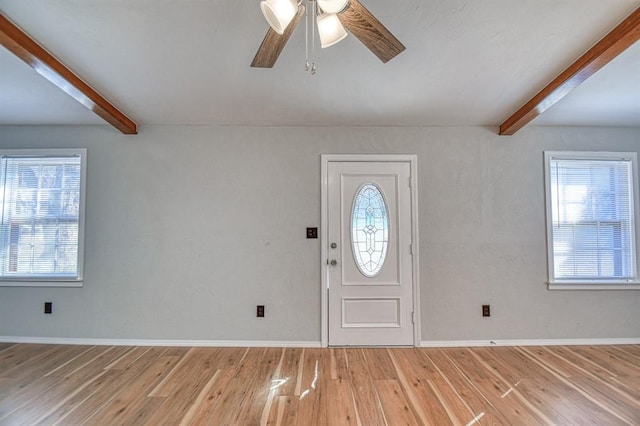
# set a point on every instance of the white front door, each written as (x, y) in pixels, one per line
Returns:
(369, 253)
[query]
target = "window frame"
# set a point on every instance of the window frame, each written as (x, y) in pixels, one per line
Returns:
(42, 280)
(591, 284)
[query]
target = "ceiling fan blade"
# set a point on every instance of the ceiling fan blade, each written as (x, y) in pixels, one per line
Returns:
(362, 24)
(274, 43)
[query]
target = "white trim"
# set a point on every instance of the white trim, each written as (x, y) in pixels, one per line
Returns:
(412, 159)
(531, 342)
(55, 281)
(553, 286)
(324, 238)
(310, 344)
(635, 222)
(47, 283)
(415, 251)
(154, 342)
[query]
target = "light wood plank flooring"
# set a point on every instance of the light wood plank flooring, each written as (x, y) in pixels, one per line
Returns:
(98, 385)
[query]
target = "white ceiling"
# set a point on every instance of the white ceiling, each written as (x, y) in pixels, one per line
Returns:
(186, 62)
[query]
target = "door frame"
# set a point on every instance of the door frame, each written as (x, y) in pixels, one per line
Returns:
(325, 159)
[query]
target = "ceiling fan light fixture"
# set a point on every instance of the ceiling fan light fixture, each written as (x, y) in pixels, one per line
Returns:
(279, 13)
(330, 29)
(333, 6)
(348, 15)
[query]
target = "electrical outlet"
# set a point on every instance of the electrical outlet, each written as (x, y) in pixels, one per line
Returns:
(48, 307)
(486, 310)
(260, 311)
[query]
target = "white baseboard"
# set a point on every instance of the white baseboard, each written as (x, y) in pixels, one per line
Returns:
(146, 342)
(533, 342)
(308, 344)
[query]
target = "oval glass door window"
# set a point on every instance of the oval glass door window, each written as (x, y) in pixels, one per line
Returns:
(369, 229)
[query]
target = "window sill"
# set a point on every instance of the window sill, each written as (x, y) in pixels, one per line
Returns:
(44, 283)
(594, 286)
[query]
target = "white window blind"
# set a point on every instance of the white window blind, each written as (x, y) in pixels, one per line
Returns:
(42, 207)
(590, 199)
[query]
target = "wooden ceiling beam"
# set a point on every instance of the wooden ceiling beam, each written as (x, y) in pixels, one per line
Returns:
(617, 41)
(24, 47)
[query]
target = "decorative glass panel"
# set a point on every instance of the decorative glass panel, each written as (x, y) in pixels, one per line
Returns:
(369, 229)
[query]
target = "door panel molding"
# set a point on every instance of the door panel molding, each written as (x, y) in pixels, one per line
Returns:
(412, 160)
(380, 304)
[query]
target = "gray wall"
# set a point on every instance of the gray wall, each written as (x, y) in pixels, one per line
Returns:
(188, 228)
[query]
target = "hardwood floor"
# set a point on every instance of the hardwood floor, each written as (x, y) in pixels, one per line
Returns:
(98, 385)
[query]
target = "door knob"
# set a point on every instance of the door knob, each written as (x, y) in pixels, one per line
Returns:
(333, 262)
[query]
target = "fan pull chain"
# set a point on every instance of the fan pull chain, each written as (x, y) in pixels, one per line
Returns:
(313, 37)
(306, 40)
(310, 13)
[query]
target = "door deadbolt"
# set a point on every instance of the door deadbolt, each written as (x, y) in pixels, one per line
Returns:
(334, 245)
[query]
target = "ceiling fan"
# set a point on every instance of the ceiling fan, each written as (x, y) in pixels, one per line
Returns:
(333, 17)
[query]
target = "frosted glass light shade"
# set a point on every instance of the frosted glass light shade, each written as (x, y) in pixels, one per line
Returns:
(279, 13)
(330, 29)
(332, 6)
